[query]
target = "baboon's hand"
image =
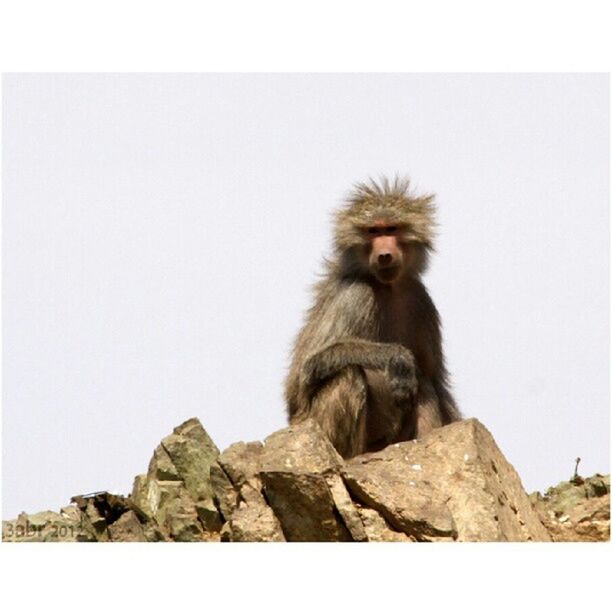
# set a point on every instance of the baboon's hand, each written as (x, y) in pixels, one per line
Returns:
(315, 370)
(396, 360)
(401, 373)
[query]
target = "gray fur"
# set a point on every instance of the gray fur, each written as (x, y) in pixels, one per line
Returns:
(368, 364)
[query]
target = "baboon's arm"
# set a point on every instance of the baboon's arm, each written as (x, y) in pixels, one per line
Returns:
(395, 360)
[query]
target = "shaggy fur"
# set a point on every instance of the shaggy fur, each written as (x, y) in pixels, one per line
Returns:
(387, 201)
(368, 363)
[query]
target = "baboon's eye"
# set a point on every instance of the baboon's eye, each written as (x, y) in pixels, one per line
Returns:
(373, 231)
(392, 229)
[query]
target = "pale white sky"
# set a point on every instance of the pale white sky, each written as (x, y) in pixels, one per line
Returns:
(160, 234)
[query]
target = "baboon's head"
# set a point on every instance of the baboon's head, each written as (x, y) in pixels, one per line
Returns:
(384, 231)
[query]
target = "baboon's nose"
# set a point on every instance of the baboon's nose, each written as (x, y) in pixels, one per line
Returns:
(384, 259)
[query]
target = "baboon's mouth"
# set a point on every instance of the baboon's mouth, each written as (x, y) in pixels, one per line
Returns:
(388, 274)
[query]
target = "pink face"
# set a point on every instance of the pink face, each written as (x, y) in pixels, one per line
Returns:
(386, 256)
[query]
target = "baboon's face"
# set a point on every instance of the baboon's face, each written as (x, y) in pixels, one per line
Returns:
(387, 256)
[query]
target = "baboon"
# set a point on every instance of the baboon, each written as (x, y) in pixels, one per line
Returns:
(368, 365)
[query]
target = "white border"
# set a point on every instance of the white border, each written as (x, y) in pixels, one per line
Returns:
(269, 35)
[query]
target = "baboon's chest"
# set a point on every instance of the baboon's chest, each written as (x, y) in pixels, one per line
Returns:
(398, 315)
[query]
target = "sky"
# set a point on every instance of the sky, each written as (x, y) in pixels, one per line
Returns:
(161, 233)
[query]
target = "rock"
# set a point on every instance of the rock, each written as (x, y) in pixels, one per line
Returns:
(176, 512)
(209, 516)
(293, 465)
(411, 506)
(304, 506)
(127, 528)
(141, 492)
(241, 462)
(286, 472)
(96, 521)
(253, 520)
(161, 466)
(192, 452)
(224, 491)
(176, 495)
(576, 511)
(378, 530)
(346, 508)
(100, 510)
(453, 484)
(237, 489)
(302, 448)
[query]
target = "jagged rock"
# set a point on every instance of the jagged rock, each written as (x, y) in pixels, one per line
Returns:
(237, 488)
(176, 516)
(192, 452)
(302, 448)
(127, 528)
(253, 520)
(293, 466)
(452, 484)
(346, 508)
(378, 530)
(161, 466)
(143, 497)
(97, 522)
(175, 511)
(286, 473)
(176, 494)
(209, 516)
(304, 506)
(225, 493)
(577, 510)
(241, 461)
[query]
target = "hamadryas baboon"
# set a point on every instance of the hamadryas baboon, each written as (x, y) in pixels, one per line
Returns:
(368, 364)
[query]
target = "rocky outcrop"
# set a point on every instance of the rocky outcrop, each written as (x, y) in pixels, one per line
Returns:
(577, 510)
(176, 494)
(452, 485)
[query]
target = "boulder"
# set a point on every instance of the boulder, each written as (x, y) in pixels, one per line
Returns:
(453, 484)
(176, 494)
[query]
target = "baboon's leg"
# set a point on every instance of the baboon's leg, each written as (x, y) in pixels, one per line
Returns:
(339, 408)
(384, 416)
(425, 416)
(449, 413)
(427, 412)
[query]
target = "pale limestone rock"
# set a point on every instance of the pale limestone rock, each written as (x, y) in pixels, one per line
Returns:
(253, 520)
(452, 484)
(345, 506)
(378, 530)
(304, 506)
